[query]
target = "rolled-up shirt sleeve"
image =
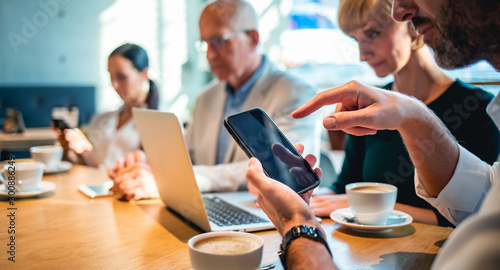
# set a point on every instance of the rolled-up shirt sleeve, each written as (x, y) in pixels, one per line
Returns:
(466, 190)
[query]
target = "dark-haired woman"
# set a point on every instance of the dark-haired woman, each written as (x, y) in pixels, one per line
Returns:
(111, 135)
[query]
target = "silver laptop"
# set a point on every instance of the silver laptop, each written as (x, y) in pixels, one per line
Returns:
(166, 151)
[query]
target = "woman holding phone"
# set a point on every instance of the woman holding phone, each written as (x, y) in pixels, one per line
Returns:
(112, 135)
(391, 47)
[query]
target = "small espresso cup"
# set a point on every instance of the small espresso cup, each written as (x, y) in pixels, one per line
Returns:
(226, 250)
(371, 203)
(50, 155)
(22, 176)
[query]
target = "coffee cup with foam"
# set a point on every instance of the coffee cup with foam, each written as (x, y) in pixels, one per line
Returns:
(225, 250)
(371, 203)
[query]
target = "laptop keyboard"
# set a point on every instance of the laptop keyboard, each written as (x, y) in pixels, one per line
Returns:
(225, 214)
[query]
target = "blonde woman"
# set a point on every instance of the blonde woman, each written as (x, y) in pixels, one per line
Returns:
(391, 47)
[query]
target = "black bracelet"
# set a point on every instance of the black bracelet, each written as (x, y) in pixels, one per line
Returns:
(301, 231)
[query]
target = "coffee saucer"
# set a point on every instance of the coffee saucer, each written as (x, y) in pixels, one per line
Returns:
(64, 166)
(396, 219)
(44, 187)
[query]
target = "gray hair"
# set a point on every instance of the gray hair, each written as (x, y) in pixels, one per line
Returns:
(236, 14)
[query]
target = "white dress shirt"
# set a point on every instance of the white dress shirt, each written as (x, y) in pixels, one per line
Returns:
(465, 193)
(471, 199)
(111, 144)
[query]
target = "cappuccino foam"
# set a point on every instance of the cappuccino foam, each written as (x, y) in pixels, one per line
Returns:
(226, 245)
(372, 189)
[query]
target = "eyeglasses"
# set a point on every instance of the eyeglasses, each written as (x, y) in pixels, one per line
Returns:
(216, 43)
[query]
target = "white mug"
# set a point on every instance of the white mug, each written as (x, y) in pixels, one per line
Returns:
(226, 250)
(50, 155)
(371, 203)
(22, 176)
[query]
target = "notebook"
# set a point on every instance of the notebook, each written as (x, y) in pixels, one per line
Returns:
(163, 141)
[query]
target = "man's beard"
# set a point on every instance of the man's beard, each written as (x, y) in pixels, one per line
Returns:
(451, 55)
(470, 32)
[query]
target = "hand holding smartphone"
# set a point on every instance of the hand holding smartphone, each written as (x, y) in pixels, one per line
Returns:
(61, 124)
(259, 137)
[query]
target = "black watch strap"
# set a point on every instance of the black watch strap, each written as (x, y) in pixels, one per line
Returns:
(301, 231)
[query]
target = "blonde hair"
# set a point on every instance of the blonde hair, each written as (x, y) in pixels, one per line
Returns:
(236, 14)
(354, 14)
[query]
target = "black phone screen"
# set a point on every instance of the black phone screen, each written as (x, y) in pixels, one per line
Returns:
(259, 137)
(60, 124)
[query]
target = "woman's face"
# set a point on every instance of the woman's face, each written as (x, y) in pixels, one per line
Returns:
(127, 80)
(384, 44)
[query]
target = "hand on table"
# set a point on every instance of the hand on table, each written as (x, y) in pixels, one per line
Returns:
(323, 205)
(362, 109)
(132, 178)
(125, 164)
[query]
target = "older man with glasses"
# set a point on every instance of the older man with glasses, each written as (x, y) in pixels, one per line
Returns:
(246, 79)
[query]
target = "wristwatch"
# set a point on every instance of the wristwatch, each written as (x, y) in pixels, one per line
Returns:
(300, 231)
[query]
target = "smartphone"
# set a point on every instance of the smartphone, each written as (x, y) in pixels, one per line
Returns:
(61, 124)
(97, 190)
(259, 137)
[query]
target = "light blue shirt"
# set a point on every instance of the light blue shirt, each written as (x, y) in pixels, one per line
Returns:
(234, 102)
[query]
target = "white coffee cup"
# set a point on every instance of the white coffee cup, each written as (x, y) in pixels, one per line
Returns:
(22, 176)
(50, 155)
(226, 250)
(371, 203)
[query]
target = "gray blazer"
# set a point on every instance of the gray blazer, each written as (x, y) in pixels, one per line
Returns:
(275, 91)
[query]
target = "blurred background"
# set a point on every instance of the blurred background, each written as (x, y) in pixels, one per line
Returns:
(64, 44)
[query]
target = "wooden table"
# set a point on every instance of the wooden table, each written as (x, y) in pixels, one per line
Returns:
(63, 229)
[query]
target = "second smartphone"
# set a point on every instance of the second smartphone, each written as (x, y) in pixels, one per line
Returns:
(61, 124)
(259, 137)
